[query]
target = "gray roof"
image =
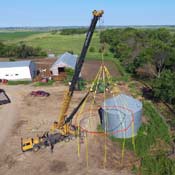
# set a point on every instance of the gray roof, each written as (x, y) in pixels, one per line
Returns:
(15, 64)
(67, 59)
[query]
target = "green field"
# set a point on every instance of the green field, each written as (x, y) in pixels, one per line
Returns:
(56, 43)
(15, 36)
(59, 44)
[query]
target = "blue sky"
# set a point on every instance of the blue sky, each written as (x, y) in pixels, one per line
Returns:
(78, 12)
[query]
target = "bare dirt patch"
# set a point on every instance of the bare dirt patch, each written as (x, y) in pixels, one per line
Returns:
(58, 166)
(9, 161)
(35, 115)
(91, 67)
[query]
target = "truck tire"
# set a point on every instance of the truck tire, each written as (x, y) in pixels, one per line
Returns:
(42, 146)
(72, 137)
(66, 139)
(36, 148)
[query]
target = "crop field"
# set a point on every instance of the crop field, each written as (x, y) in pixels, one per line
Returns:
(15, 36)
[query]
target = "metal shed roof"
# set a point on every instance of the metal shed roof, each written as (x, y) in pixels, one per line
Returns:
(122, 103)
(65, 59)
(11, 64)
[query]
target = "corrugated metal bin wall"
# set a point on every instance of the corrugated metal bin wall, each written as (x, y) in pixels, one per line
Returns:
(117, 114)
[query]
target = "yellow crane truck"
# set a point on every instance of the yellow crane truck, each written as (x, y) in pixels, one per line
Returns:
(63, 130)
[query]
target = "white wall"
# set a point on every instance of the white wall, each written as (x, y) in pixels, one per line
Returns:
(15, 73)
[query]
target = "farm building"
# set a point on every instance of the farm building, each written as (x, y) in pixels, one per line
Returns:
(66, 60)
(121, 116)
(51, 55)
(18, 70)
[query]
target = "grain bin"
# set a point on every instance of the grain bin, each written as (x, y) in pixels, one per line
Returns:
(121, 116)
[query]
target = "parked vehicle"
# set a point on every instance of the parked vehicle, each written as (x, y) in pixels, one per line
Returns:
(39, 93)
(4, 99)
(3, 81)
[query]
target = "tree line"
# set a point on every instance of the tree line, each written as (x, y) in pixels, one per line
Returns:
(20, 50)
(73, 31)
(148, 54)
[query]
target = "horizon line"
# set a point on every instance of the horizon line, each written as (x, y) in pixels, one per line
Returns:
(134, 25)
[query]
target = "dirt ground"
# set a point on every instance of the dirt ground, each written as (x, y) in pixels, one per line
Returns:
(28, 116)
(91, 67)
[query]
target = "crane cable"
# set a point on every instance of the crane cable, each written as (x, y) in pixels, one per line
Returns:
(96, 83)
(105, 74)
(124, 140)
(79, 132)
(92, 104)
(105, 116)
(81, 111)
(132, 124)
(108, 76)
(101, 22)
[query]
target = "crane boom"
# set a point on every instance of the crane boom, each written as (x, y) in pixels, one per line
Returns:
(78, 67)
(70, 117)
(84, 50)
(65, 129)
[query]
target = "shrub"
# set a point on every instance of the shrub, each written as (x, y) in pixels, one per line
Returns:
(12, 59)
(20, 50)
(73, 31)
(70, 51)
(70, 73)
(92, 49)
(49, 83)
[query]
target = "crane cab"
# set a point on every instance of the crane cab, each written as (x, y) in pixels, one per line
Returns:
(29, 143)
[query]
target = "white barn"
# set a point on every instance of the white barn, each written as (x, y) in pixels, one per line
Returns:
(18, 70)
(65, 60)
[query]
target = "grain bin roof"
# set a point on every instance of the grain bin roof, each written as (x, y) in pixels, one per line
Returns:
(122, 103)
(15, 64)
(66, 59)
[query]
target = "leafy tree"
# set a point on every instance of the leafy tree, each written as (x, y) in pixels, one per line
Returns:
(161, 34)
(160, 53)
(73, 31)
(53, 32)
(163, 87)
(20, 50)
(146, 53)
(92, 49)
(2, 49)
